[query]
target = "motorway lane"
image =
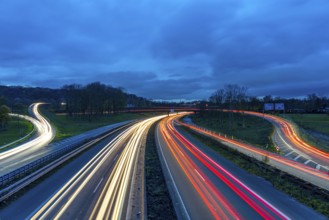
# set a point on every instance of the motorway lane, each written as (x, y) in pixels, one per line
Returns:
(104, 182)
(302, 171)
(286, 204)
(45, 134)
(235, 206)
(20, 159)
(287, 139)
(36, 195)
(198, 187)
(85, 185)
(35, 131)
(191, 201)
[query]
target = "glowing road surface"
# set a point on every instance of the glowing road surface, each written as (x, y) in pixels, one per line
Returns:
(210, 191)
(100, 190)
(299, 170)
(288, 135)
(44, 135)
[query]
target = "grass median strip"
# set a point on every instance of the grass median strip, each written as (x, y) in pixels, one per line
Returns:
(159, 204)
(67, 126)
(246, 128)
(302, 191)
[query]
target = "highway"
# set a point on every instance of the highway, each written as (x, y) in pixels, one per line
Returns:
(20, 158)
(100, 189)
(36, 130)
(302, 171)
(45, 134)
(286, 138)
(45, 188)
(98, 185)
(209, 187)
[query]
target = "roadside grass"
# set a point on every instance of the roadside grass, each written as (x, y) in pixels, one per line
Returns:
(67, 126)
(310, 195)
(316, 122)
(312, 128)
(16, 129)
(159, 204)
(246, 128)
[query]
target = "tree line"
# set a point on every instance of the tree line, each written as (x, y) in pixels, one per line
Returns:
(233, 96)
(93, 99)
(97, 99)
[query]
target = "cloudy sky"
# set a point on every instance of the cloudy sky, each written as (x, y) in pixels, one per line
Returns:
(168, 49)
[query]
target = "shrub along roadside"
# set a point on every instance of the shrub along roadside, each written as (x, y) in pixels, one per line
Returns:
(159, 204)
(310, 195)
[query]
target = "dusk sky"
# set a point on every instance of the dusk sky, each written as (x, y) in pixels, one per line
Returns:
(168, 49)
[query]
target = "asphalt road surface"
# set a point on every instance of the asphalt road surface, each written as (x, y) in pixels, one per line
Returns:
(98, 187)
(293, 147)
(31, 199)
(211, 187)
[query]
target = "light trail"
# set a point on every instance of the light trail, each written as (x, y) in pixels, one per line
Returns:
(290, 133)
(110, 194)
(35, 122)
(297, 169)
(212, 198)
(44, 136)
(217, 204)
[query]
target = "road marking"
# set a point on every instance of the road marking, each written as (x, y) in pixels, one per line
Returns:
(289, 153)
(116, 157)
(296, 158)
(98, 185)
(172, 179)
(306, 162)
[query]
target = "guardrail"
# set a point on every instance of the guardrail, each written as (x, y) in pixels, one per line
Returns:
(8, 178)
(19, 178)
(30, 167)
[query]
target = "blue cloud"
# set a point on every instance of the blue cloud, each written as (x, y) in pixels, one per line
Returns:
(168, 49)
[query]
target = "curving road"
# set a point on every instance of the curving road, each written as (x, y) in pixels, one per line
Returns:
(100, 190)
(209, 187)
(45, 133)
(302, 171)
(293, 147)
(30, 154)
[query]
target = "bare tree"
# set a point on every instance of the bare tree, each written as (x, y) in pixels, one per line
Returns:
(233, 96)
(4, 116)
(218, 97)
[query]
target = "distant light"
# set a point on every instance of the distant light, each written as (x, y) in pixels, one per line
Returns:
(63, 103)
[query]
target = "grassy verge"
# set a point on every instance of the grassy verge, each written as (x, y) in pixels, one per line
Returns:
(304, 192)
(67, 126)
(250, 129)
(159, 204)
(313, 128)
(316, 122)
(17, 128)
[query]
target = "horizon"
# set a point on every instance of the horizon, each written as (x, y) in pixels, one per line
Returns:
(181, 100)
